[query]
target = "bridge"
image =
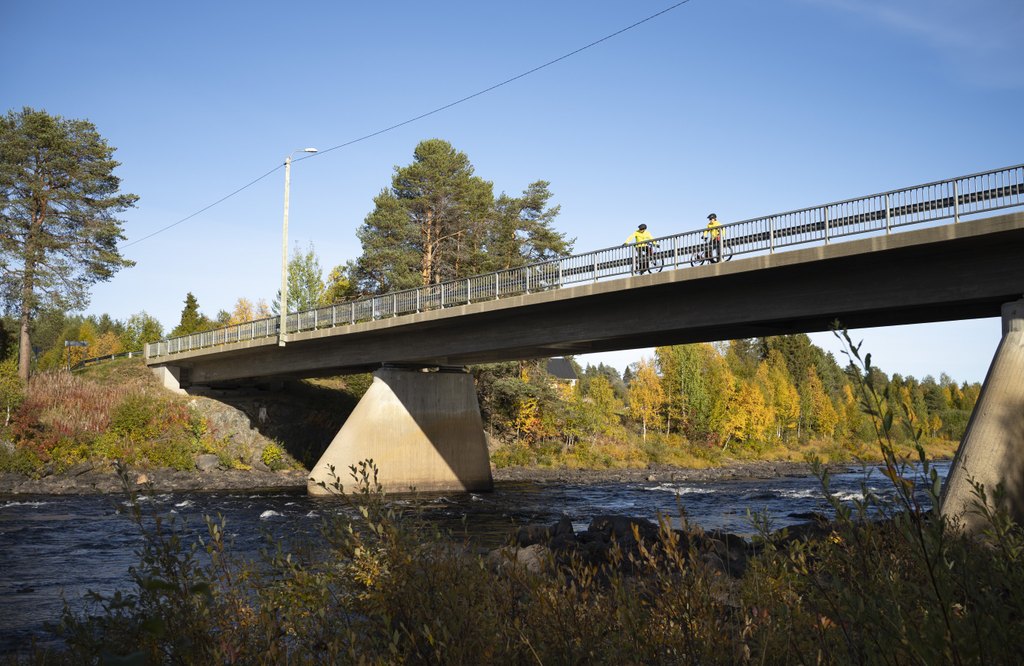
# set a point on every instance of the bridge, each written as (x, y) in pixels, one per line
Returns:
(941, 251)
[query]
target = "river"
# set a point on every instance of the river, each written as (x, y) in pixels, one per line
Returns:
(56, 548)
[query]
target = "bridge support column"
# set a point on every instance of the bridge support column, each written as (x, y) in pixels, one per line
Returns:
(992, 450)
(422, 429)
(170, 378)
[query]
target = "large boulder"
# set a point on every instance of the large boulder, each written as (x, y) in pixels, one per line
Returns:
(207, 462)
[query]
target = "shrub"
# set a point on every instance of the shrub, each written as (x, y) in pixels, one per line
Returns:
(68, 453)
(273, 457)
(134, 418)
(19, 460)
(512, 455)
(12, 391)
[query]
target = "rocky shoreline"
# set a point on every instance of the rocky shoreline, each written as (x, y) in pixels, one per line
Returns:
(86, 479)
(747, 469)
(91, 481)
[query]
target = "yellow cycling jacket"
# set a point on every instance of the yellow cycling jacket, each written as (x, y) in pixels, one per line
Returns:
(713, 229)
(640, 237)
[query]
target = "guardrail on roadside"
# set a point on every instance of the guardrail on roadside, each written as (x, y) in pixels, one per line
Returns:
(953, 199)
(109, 357)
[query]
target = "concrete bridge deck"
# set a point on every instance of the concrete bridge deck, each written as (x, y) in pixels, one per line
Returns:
(949, 272)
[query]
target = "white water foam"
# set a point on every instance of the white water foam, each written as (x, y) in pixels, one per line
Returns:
(849, 496)
(9, 504)
(682, 490)
(270, 513)
(805, 493)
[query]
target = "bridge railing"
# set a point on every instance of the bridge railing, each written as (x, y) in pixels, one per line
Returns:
(877, 213)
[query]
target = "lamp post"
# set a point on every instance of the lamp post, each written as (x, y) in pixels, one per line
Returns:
(283, 300)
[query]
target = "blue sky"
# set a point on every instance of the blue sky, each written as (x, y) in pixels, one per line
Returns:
(743, 107)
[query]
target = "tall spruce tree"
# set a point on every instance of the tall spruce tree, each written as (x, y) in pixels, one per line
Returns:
(192, 321)
(58, 230)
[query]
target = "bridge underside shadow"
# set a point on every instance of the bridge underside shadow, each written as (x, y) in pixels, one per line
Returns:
(423, 431)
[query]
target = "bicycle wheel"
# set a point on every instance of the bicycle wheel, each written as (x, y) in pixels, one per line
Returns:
(656, 264)
(726, 253)
(697, 259)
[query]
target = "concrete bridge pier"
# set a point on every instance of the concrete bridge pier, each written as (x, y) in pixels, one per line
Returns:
(422, 429)
(992, 450)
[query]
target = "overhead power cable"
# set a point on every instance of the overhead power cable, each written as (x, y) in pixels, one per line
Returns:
(498, 85)
(419, 117)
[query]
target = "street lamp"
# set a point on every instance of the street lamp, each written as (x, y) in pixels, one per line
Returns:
(283, 300)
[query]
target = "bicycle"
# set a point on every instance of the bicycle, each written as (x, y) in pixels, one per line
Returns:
(707, 255)
(647, 260)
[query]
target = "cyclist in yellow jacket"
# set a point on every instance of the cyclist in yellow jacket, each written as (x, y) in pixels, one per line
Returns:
(713, 234)
(644, 247)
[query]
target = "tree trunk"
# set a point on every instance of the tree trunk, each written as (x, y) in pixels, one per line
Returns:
(24, 346)
(28, 280)
(428, 249)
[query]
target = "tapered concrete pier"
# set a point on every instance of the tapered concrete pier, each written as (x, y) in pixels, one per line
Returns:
(992, 450)
(422, 429)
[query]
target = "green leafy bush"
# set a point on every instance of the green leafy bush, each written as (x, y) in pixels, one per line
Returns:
(70, 452)
(512, 455)
(175, 452)
(273, 456)
(134, 418)
(12, 391)
(19, 460)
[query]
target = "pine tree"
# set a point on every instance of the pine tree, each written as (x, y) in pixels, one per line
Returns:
(432, 219)
(521, 231)
(59, 232)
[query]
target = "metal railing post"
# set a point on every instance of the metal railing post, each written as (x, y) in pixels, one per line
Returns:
(956, 203)
(888, 213)
(826, 225)
(771, 235)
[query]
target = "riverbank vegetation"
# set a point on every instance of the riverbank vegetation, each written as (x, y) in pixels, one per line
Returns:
(888, 580)
(115, 411)
(777, 398)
